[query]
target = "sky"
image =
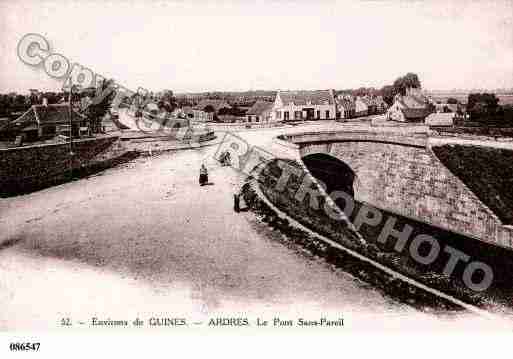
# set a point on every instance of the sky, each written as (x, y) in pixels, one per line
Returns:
(200, 45)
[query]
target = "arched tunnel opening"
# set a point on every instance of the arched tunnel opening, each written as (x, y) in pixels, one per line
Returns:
(338, 176)
(335, 174)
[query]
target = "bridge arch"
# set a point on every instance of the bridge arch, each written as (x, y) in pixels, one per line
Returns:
(336, 174)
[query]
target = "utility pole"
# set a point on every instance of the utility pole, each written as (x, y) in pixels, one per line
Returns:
(71, 154)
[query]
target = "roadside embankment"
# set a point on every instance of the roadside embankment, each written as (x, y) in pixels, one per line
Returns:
(341, 231)
(29, 168)
(487, 171)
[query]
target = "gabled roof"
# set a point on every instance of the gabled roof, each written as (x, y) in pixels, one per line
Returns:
(413, 100)
(453, 107)
(415, 112)
(259, 108)
(41, 115)
(216, 104)
(441, 119)
(303, 98)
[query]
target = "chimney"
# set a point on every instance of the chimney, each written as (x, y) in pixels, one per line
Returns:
(45, 102)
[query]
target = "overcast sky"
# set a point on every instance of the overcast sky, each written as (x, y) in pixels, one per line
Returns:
(242, 45)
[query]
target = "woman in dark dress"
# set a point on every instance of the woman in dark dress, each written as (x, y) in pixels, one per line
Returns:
(203, 178)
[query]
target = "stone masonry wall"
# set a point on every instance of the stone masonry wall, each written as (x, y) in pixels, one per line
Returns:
(409, 180)
(40, 165)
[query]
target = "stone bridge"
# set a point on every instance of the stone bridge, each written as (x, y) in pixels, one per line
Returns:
(400, 174)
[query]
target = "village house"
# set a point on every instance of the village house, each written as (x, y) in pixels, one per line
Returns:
(261, 111)
(372, 105)
(208, 110)
(447, 107)
(441, 119)
(381, 105)
(446, 114)
(46, 121)
(361, 106)
(345, 107)
(188, 111)
(412, 107)
(304, 105)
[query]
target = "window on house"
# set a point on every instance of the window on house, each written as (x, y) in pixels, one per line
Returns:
(338, 114)
(327, 114)
(297, 115)
(286, 115)
(318, 114)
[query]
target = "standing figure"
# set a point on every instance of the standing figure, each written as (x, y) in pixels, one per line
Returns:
(203, 178)
(236, 202)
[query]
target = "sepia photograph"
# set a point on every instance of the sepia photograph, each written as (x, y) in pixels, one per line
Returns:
(238, 166)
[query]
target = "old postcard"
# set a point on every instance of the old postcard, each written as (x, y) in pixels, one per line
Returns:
(255, 166)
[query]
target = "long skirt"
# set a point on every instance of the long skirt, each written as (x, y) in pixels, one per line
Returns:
(203, 179)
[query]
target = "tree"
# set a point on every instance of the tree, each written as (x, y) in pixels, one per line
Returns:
(410, 80)
(489, 99)
(168, 101)
(482, 106)
(5, 105)
(452, 100)
(209, 109)
(224, 111)
(34, 99)
(19, 102)
(388, 92)
(100, 104)
(363, 91)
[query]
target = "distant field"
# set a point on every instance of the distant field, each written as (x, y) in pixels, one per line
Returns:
(503, 99)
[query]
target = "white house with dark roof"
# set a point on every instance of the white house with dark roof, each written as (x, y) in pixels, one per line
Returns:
(381, 105)
(304, 105)
(361, 106)
(412, 107)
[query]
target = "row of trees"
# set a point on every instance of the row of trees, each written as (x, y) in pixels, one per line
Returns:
(14, 102)
(481, 107)
(485, 108)
(165, 100)
(388, 92)
(399, 86)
